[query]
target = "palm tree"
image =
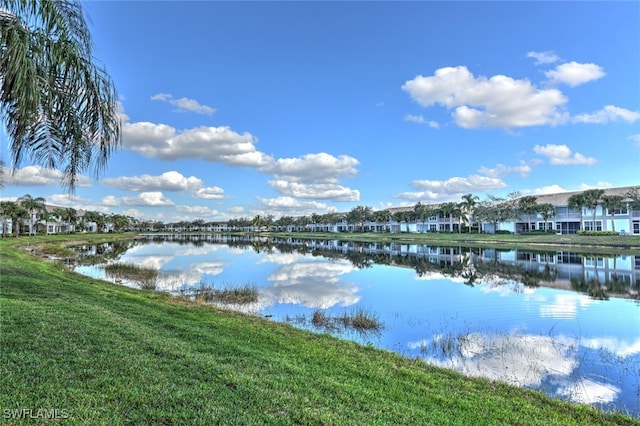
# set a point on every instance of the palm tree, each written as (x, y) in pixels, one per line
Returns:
(16, 212)
(467, 206)
(381, 216)
(528, 205)
(611, 203)
(577, 202)
(421, 212)
(592, 198)
(546, 210)
(6, 209)
(34, 206)
(449, 209)
(60, 108)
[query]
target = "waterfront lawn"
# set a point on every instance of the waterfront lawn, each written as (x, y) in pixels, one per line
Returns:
(106, 354)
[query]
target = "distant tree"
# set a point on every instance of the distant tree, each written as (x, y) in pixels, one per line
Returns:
(497, 209)
(577, 202)
(546, 210)
(592, 198)
(16, 212)
(467, 207)
(421, 213)
(35, 207)
(528, 205)
(612, 203)
(358, 215)
(382, 216)
(449, 210)
(633, 194)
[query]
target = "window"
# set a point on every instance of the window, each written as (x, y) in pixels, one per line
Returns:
(588, 225)
(636, 227)
(618, 211)
(561, 210)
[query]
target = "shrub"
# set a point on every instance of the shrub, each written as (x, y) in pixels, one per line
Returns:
(597, 233)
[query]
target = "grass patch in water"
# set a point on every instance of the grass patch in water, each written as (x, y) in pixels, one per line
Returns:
(227, 295)
(146, 278)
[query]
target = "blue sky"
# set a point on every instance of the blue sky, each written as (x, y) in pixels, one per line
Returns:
(234, 109)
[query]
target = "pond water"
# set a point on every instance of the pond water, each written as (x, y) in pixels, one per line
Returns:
(565, 323)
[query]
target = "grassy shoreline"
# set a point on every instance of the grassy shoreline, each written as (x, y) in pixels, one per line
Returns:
(108, 354)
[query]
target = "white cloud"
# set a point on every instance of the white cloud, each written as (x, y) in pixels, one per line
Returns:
(501, 170)
(574, 73)
(547, 57)
(635, 138)
(550, 189)
(289, 203)
(313, 168)
(450, 189)
(167, 181)
(499, 101)
(414, 118)
(68, 200)
(607, 114)
(198, 211)
(460, 184)
(40, 176)
(215, 144)
(184, 104)
(325, 191)
(434, 124)
(151, 199)
(209, 193)
(561, 155)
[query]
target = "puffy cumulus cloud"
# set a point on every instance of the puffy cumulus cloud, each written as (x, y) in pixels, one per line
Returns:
(546, 57)
(459, 184)
(325, 191)
(184, 104)
(209, 193)
(198, 211)
(151, 199)
(168, 181)
(40, 176)
(414, 118)
(561, 155)
(499, 101)
(574, 73)
(291, 204)
(549, 189)
(434, 124)
(215, 144)
(68, 200)
(501, 170)
(313, 168)
(608, 114)
(450, 189)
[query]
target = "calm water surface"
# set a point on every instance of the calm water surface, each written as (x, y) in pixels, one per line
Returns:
(561, 322)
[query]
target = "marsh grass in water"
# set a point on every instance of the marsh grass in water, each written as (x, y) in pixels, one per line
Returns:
(146, 278)
(227, 294)
(359, 320)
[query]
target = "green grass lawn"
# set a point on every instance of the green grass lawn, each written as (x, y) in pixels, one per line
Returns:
(106, 354)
